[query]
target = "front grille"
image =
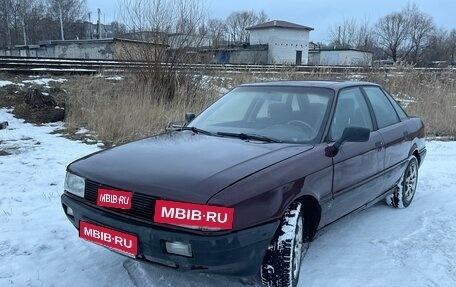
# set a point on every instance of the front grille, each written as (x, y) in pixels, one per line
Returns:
(142, 206)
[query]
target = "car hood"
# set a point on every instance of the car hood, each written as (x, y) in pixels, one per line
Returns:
(181, 165)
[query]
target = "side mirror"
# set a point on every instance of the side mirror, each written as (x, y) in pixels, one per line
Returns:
(189, 117)
(350, 134)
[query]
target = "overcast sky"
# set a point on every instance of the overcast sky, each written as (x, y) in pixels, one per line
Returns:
(318, 14)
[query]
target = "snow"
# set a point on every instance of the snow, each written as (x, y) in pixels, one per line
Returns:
(357, 77)
(44, 81)
(380, 246)
(223, 91)
(81, 131)
(115, 78)
(404, 99)
(5, 83)
(63, 70)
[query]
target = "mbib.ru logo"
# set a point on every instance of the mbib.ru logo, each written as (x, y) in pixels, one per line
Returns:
(200, 215)
(114, 198)
(113, 239)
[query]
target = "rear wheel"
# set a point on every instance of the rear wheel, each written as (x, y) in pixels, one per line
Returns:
(282, 261)
(405, 191)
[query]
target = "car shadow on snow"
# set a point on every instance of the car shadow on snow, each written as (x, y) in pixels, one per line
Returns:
(145, 275)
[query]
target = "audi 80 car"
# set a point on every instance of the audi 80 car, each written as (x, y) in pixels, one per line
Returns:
(243, 187)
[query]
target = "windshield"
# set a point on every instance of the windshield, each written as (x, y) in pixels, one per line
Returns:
(282, 114)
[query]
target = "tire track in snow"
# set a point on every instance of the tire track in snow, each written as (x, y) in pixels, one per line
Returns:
(423, 250)
(136, 274)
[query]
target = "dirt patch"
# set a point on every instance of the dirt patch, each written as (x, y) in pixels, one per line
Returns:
(34, 103)
(10, 96)
(39, 107)
(84, 137)
(9, 151)
(4, 153)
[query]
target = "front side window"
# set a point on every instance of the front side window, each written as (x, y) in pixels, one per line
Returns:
(287, 114)
(384, 112)
(351, 110)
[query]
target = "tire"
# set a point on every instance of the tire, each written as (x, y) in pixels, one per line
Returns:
(405, 191)
(282, 261)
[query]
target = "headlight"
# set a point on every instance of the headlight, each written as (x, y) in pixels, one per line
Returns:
(74, 184)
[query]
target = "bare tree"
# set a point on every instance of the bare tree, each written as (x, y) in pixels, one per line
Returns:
(421, 26)
(6, 12)
(404, 35)
(68, 12)
(239, 20)
(31, 14)
(173, 29)
(393, 35)
(452, 47)
(343, 35)
(437, 48)
(30, 21)
(15, 18)
(352, 34)
(118, 29)
(364, 37)
(216, 30)
(163, 16)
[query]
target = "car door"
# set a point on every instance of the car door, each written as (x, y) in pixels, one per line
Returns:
(357, 165)
(394, 133)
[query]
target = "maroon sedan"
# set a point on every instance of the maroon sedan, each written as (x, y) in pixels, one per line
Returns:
(243, 187)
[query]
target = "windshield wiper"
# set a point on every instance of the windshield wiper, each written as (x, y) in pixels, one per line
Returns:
(196, 131)
(245, 136)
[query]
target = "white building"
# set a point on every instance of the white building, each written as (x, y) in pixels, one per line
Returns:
(288, 43)
(340, 57)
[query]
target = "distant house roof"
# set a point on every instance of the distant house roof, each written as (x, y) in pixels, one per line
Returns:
(279, 24)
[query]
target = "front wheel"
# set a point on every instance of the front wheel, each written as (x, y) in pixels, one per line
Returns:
(282, 261)
(405, 191)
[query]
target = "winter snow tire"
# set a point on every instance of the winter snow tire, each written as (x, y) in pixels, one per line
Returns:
(282, 261)
(405, 191)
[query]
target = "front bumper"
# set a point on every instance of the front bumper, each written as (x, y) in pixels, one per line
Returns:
(236, 253)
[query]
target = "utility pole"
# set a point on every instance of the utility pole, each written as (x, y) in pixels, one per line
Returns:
(99, 25)
(61, 21)
(90, 27)
(24, 32)
(338, 39)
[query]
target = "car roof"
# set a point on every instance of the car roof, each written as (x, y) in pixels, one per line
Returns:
(336, 85)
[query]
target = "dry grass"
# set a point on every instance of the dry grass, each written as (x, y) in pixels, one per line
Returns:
(120, 111)
(429, 95)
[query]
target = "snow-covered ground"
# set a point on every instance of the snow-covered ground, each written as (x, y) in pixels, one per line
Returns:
(5, 83)
(380, 246)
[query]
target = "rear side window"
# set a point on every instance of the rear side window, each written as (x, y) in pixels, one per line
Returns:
(383, 109)
(397, 107)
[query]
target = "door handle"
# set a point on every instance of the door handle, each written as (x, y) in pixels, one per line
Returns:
(379, 145)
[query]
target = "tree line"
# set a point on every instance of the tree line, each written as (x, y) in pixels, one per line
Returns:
(26, 22)
(409, 35)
